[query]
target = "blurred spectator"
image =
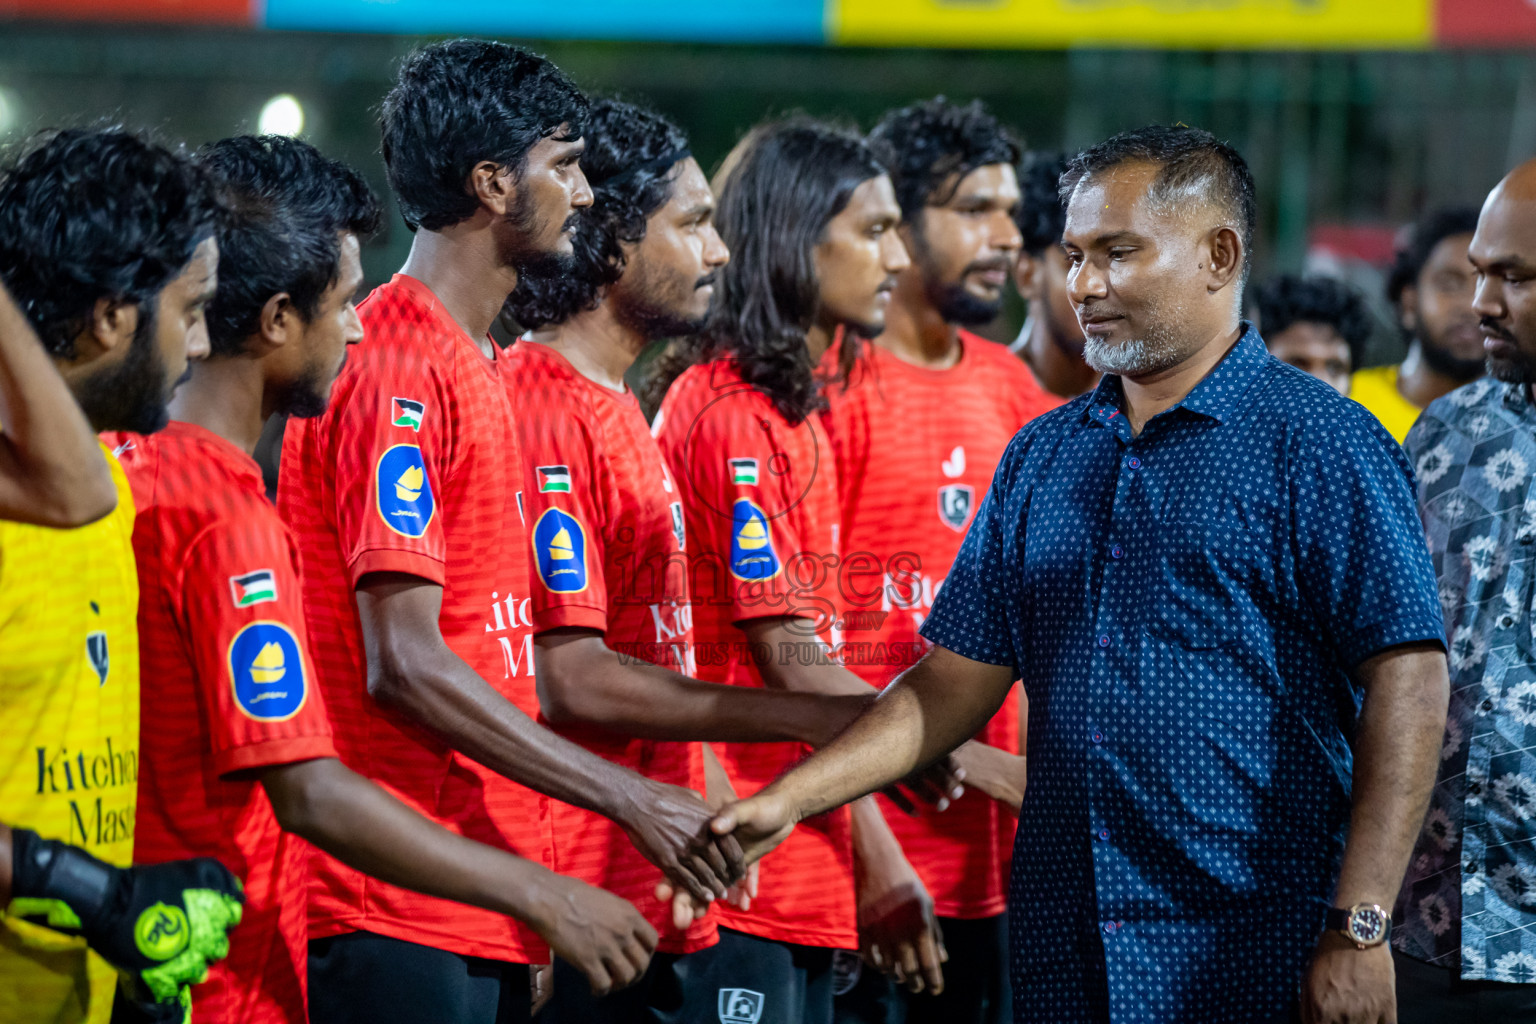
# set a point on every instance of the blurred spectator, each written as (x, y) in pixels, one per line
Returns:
(1316, 324)
(1431, 285)
(1051, 341)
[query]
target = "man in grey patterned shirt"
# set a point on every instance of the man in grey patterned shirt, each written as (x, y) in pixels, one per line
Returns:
(1465, 924)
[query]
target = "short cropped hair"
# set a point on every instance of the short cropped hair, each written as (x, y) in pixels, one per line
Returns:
(936, 143)
(288, 205)
(1420, 239)
(630, 163)
(93, 214)
(458, 103)
(1292, 299)
(1042, 217)
(1194, 164)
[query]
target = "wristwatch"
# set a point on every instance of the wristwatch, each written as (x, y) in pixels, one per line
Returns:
(1364, 924)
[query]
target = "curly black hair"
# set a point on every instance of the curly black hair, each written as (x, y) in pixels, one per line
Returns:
(929, 147)
(777, 192)
(289, 205)
(1041, 216)
(630, 161)
(458, 103)
(1291, 299)
(1194, 164)
(87, 214)
(1420, 239)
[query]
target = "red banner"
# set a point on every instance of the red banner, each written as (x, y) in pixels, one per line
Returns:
(203, 12)
(1471, 23)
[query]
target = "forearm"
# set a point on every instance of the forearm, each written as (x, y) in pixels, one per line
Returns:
(874, 844)
(916, 720)
(51, 467)
(366, 828)
(1397, 748)
(598, 687)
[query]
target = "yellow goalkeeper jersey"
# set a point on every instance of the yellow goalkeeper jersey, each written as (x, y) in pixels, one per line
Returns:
(69, 733)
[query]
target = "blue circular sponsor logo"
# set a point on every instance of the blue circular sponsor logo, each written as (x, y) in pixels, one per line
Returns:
(266, 670)
(560, 551)
(404, 493)
(752, 553)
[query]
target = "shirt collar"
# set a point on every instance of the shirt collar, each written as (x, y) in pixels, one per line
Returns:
(1215, 397)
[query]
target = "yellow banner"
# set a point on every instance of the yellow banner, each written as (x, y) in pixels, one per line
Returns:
(1253, 24)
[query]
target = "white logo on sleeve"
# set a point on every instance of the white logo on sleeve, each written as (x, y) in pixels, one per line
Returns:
(954, 465)
(740, 1006)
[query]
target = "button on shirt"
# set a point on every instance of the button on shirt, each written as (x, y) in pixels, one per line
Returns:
(1191, 704)
(1470, 896)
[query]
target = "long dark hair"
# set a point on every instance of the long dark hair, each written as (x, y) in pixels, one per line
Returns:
(777, 191)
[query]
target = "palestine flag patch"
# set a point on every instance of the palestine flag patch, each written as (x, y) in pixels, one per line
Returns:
(408, 413)
(253, 588)
(743, 471)
(554, 478)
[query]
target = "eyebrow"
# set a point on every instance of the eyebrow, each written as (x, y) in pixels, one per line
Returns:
(1508, 261)
(698, 210)
(1108, 239)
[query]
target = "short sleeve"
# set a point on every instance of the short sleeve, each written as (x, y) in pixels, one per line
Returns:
(392, 436)
(243, 618)
(752, 480)
(1362, 562)
(975, 611)
(564, 489)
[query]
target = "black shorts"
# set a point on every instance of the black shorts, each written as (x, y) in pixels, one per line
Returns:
(742, 980)
(1429, 993)
(976, 988)
(363, 978)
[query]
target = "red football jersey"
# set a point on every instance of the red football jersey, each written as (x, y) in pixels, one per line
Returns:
(915, 451)
(415, 468)
(606, 527)
(230, 687)
(760, 504)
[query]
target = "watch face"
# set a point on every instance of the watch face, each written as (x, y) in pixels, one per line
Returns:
(1367, 925)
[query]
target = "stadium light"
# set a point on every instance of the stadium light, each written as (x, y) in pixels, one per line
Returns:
(282, 115)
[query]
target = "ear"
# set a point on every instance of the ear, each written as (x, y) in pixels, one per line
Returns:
(110, 329)
(491, 183)
(1224, 258)
(1407, 306)
(278, 324)
(1028, 277)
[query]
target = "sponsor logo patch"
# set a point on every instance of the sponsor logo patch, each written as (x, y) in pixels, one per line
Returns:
(161, 931)
(955, 501)
(253, 588)
(954, 465)
(554, 478)
(743, 471)
(96, 653)
(405, 494)
(407, 412)
(266, 672)
(560, 551)
(752, 554)
(676, 509)
(740, 1006)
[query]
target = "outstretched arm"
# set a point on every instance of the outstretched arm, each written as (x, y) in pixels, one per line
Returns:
(52, 472)
(412, 669)
(361, 825)
(930, 709)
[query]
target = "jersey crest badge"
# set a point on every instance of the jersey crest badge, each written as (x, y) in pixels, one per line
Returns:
(407, 412)
(740, 1006)
(554, 479)
(253, 588)
(404, 493)
(752, 554)
(955, 501)
(266, 672)
(560, 551)
(744, 471)
(96, 653)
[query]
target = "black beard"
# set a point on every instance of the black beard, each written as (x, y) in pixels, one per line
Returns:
(1463, 371)
(304, 398)
(133, 395)
(958, 306)
(653, 322)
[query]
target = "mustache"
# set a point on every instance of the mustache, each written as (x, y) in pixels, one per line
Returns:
(1493, 329)
(571, 222)
(707, 280)
(994, 263)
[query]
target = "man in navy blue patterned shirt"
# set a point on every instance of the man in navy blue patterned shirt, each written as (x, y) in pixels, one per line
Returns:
(1210, 575)
(1467, 914)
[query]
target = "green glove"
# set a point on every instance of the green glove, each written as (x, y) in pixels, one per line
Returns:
(160, 924)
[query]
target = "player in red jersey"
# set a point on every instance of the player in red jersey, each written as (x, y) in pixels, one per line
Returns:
(236, 757)
(403, 499)
(1051, 341)
(917, 432)
(811, 219)
(610, 603)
